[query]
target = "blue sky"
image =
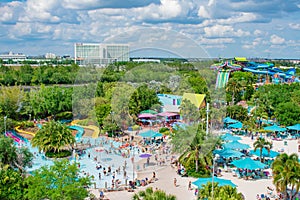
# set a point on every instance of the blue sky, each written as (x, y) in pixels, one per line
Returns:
(195, 28)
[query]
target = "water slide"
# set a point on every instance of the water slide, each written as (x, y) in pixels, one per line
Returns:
(24, 132)
(91, 127)
(222, 78)
(17, 138)
(79, 133)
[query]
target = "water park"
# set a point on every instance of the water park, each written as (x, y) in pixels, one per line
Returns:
(265, 71)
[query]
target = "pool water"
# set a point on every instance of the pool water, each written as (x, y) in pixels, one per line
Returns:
(110, 156)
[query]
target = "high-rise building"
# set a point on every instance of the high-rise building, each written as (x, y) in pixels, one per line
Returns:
(100, 54)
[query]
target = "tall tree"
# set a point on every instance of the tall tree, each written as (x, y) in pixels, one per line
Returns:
(286, 174)
(12, 156)
(60, 181)
(262, 143)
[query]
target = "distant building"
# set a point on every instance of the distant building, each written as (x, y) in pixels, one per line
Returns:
(13, 56)
(139, 60)
(100, 54)
(50, 56)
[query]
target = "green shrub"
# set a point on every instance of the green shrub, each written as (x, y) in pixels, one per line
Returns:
(64, 115)
(135, 127)
(25, 124)
(61, 154)
(164, 129)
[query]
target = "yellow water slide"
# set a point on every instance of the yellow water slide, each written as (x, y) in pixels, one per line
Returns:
(91, 127)
(22, 131)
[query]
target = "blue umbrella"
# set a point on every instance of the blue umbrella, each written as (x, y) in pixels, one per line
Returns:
(265, 153)
(150, 134)
(296, 127)
(229, 153)
(228, 120)
(221, 182)
(275, 128)
(236, 125)
(236, 145)
(229, 137)
(248, 163)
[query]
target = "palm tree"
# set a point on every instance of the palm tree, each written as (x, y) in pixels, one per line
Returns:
(149, 194)
(220, 192)
(53, 137)
(286, 174)
(193, 145)
(261, 143)
(233, 86)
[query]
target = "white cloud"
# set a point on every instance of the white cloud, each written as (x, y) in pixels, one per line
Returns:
(294, 26)
(216, 41)
(257, 32)
(202, 12)
(275, 39)
(224, 31)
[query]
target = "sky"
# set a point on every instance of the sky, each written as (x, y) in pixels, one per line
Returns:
(186, 28)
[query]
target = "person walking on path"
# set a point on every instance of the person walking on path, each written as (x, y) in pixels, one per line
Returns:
(175, 182)
(190, 185)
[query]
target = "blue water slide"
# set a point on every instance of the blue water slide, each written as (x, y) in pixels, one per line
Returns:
(79, 133)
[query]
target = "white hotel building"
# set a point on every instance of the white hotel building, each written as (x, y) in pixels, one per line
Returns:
(100, 54)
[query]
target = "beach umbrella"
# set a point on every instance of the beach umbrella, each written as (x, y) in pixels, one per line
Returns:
(145, 155)
(248, 163)
(146, 115)
(228, 120)
(275, 128)
(229, 137)
(296, 127)
(236, 125)
(229, 153)
(221, 182)
(153, 112)
(236, 145)
(265, 153)
(150, 134)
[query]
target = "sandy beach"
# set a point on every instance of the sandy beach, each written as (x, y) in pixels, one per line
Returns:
(166, 175)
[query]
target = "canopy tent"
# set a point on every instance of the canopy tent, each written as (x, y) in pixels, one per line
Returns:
(265, 153)
(296, 127)
(146, 115)
(150, 134)
(221, 182)
(236, 145)
(153, 112)
(275, 128)
(229, 137)
(228, 153)
(248, 163)
(236, 125)
(145, 155)
(167, 114)
(228, 120)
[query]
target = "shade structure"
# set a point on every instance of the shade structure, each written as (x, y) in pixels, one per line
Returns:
(228, 120)
(229, 153)
(275, 128)
(146, 115)
(153, 112)
(145, 155)
(248, 163)
(150, 134)
(229, 137)
(236, 145)
(236, 125)
(265, 153)
(221, 182)
(296, 127)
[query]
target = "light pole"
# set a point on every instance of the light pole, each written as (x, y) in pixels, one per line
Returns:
(5, 117)
(207, 111)
(213, 175)
(132, 160)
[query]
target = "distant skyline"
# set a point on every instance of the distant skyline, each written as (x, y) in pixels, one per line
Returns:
(209, 28)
